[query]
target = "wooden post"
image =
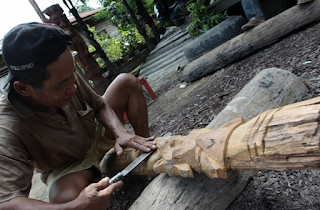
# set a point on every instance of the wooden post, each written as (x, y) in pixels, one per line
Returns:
(38, 11)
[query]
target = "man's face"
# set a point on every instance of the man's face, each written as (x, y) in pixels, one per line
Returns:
(60, 87)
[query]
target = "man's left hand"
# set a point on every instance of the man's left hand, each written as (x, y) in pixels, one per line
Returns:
(134, 141)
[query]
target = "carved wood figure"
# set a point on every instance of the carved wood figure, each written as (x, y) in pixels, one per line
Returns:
(269, 141)
(83, 57)
(269, 89)
(279, 139)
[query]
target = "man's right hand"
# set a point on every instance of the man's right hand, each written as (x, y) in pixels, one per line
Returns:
(97, 195)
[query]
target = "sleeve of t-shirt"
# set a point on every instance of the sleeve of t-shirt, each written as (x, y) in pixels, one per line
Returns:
(87, 94)
(16, 168)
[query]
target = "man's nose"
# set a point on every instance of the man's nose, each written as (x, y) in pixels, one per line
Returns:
(72, 87)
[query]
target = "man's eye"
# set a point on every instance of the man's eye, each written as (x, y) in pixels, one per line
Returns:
(58, 88)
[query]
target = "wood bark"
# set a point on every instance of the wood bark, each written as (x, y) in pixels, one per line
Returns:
(203, 193)
(249, 41)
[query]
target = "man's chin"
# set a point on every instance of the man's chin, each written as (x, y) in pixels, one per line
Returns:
(64, 102)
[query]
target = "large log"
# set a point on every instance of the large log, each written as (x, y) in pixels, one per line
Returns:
(166, 192)
(285, 138)
(279, 139)
(260, 36)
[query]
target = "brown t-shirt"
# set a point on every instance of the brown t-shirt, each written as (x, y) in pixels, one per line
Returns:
(36, 140)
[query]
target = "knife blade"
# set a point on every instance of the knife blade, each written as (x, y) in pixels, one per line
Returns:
(132, 165)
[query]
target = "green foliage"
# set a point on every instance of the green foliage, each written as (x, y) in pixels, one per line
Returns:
(201, 20)
(111, 46)
(83, 8)
(131, 39)
(113, 12)
(115, 47)
(81, 5)
(101, 15)
(118, 6)
(149, 5)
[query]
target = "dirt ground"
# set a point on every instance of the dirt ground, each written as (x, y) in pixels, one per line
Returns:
(179, 110)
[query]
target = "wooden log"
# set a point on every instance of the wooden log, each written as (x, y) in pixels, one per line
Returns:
(166, 192)
(269, 89)
(202, 151)
(249, 41)
(279, 139)
(285, 138)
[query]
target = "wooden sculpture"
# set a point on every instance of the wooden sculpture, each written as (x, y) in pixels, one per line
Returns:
(269, 89)
(83, 56)
(279, 139)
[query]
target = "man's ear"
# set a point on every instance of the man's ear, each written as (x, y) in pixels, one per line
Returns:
(23, 88)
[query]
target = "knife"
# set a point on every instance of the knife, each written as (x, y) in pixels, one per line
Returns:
(132, 165)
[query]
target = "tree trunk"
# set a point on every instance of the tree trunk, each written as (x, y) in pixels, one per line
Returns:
(249, 41)
(203, 193)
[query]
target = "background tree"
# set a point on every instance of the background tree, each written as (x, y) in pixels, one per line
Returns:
(84, 5)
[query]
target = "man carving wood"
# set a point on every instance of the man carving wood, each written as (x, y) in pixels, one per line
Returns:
(53, 122)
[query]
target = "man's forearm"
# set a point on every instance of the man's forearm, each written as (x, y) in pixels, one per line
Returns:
(108, 118)
(31, 204)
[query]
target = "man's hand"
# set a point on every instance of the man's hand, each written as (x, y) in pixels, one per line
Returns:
(97, 196)
(134, 141)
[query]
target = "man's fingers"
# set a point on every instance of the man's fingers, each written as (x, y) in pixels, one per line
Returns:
(137, 142)
(103, 183)
(145, 147)
(147, 142)
(118, 149)
(151, 138)
(113, 187)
